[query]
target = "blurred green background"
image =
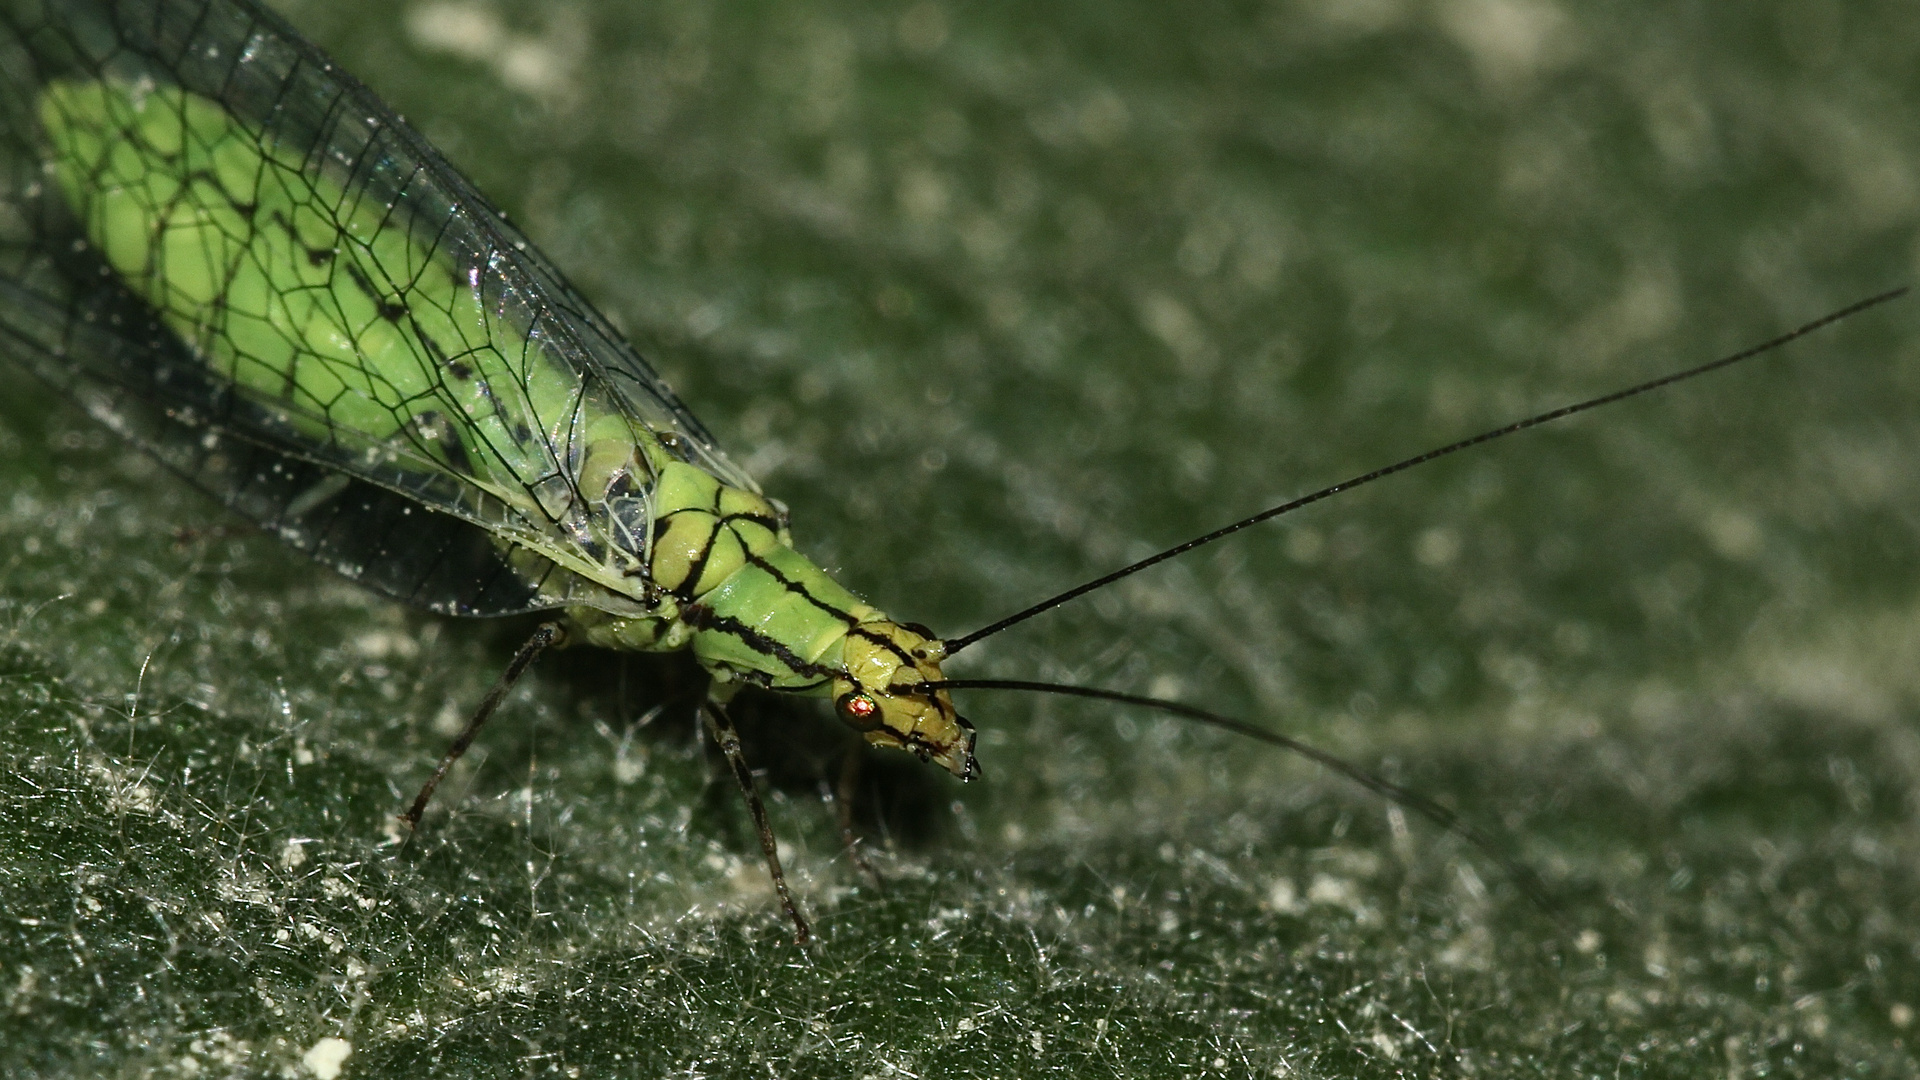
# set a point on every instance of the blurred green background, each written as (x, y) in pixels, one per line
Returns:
(998, 297)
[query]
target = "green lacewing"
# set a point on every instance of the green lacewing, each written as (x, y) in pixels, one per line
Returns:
(234, 255)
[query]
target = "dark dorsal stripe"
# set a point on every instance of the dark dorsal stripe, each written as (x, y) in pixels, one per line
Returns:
(703, 618)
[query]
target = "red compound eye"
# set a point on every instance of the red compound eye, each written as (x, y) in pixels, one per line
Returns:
(859, 710)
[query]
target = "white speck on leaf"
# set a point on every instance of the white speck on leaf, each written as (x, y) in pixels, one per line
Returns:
(325, 1058)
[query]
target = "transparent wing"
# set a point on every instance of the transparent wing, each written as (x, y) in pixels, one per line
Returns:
(234, 254)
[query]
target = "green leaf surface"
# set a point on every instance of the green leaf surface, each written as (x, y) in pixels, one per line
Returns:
(998, 297)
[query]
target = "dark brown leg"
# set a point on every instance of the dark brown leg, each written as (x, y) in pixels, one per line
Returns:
(729, 739)
(841, 798)
(548, 634)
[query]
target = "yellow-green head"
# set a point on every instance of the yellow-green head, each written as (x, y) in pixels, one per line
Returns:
(880, 693)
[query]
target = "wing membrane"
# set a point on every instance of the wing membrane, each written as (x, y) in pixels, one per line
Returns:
(235, 255)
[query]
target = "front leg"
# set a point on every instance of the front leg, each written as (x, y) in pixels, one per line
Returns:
(840, 797)
(724, 733)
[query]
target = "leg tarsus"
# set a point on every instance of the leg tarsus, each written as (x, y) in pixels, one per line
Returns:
(547, 635)
(721, 725)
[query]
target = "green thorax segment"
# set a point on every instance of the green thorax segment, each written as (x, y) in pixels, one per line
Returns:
(756, 612)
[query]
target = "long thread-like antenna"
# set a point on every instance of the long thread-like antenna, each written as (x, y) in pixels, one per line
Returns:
(1521, 875)
(954, 645)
